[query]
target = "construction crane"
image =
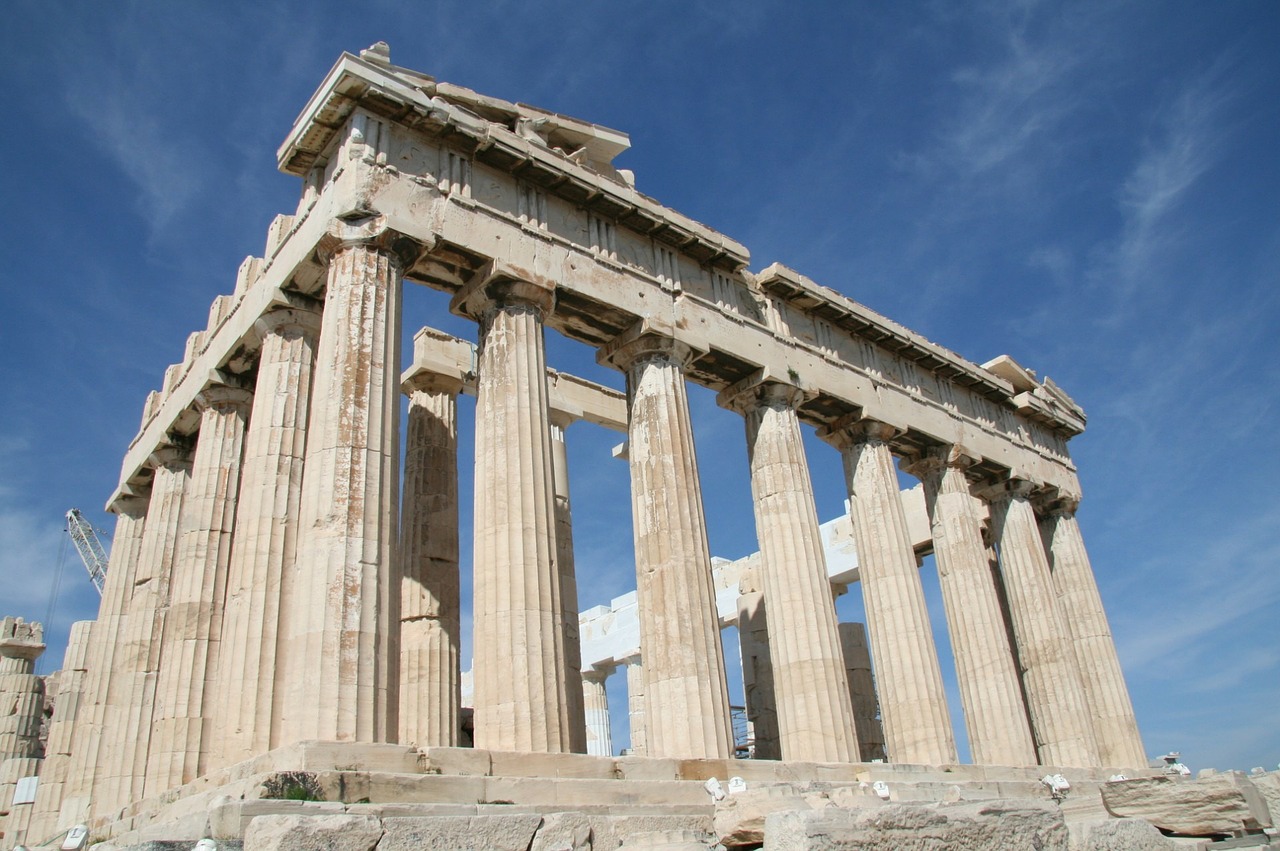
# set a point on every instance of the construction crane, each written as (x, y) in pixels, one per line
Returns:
(92, 553)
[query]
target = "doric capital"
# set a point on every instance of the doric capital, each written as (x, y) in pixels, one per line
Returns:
(1060, 504)
(498, 285)
(760, 389)
(562, 419)
(287, 321)
(935, 459)
(130, 505)
(854, 429)
(172, 456)
(370, 232)
(598, 673)
(21, 640)
(434, 383)
(224, 397)
(647, 340)
(1011, 487)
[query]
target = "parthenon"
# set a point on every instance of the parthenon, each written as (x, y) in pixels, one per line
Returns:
(282, 578)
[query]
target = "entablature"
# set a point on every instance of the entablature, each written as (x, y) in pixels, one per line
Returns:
(450, 113)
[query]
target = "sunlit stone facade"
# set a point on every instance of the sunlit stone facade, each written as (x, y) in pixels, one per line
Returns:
(267, 587)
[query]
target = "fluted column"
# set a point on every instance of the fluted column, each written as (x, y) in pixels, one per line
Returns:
(181, 725)
(688, 707)
(757, 670)
(127, 729)
(340, 655)
(21, 691)
(266, 536)
(15, 817)
(67, 709)
(595, 699)
(568, 584)
(862, 691)
(815, 717)
(994, 714)
(430, 608)
(636, 706)
(913, 704)
(1050, 676)
(103, 688)
(1107, 697)
(521, 698)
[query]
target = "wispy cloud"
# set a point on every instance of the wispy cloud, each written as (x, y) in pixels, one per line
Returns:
(29, 541)
(142, 147)
(1003, 114)
(1206, 600)
(1184, 146)
(1011, 105)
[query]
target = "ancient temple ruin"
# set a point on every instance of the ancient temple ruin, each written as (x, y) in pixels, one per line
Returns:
(277, 601)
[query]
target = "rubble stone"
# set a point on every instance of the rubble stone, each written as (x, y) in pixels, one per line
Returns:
(1223, 803)
(313, 833)
(460, 833)
(994, 825)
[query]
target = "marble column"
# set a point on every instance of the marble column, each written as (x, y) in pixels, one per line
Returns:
(913, 704)
(811, 690)
(862, 691)
(1050, 676)
(430, 607)
(15, 816)
(688, 706)
(757, 671)
(266, 536)
(521, 699)
(636, 706)
(103, 689)
(994, 713)
(181, 722)
(21, 691)
(126, 732)
(67, 706)
(568, 584)
(1107, 697)
(340, 655)
(595, 699)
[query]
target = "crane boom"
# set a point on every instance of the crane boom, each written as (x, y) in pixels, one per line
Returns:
(92, 553)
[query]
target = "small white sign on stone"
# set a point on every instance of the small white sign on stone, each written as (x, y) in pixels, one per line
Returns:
(76, 838)
(25, 791)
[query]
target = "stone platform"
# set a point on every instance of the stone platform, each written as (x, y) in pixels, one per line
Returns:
(283, 797)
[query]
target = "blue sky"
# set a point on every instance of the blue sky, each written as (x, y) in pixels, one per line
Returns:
(1093, 189)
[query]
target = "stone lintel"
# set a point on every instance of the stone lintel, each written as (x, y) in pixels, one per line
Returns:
(848, 378)
(437, 109)
(579, 399)
(791, 286)
(441, 359)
